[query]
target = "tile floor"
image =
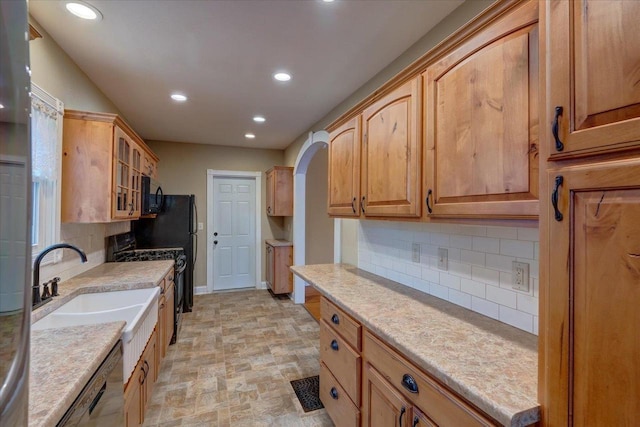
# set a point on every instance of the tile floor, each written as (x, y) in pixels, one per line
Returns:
(235, 356)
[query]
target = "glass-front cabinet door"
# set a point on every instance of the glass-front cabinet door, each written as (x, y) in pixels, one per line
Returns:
(136, 181)
(123, 205)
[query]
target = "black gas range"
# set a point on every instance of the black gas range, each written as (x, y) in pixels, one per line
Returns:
(122, 248)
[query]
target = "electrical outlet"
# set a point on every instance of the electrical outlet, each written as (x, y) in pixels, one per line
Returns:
(200, 226)
(415, 252)
(443, 259)
(520, 276)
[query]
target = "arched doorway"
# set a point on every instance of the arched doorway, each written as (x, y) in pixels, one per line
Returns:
(315, 142)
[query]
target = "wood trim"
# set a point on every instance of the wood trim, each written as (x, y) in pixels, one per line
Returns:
(33, 33)
(114, 119)
(487, 17)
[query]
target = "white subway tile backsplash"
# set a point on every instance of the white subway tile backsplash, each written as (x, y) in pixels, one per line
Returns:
(528, 304)
(502, 232)
(485, 275)
(502, 296)
(500, 262)
(460, 298)
(474, 288)
(441, 292)
(517, 248)
(449, 280)
(486, 244)
(461, 242)
(532, 234)
(460, 269)
(472, 257)
(516, 318)
(488, 308)
(479, 270)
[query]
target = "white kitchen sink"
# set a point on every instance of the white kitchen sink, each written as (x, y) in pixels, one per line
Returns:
(137, 307)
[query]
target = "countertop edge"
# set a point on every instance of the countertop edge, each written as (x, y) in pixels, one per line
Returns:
(506, 417)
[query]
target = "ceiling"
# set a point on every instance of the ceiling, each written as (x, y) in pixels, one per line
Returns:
(222, 55)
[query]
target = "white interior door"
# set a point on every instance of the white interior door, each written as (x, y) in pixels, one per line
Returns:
(234, 233)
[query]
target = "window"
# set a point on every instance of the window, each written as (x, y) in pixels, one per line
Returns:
(46, 147)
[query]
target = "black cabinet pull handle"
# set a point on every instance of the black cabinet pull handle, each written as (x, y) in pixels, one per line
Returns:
(554, 197)
(335, 319)
(409, 383)
(429, 194)
(146, 373)
(555, 129)
(353, 205)
(402, 412)
(334, 393)
(362, 204)
(334, 345)
(416, 421)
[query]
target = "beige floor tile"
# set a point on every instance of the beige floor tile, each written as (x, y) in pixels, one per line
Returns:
(232, 365)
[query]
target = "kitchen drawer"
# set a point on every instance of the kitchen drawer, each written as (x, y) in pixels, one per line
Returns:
(438, 404)
(343, 362)
(339, 407)
(348, 328)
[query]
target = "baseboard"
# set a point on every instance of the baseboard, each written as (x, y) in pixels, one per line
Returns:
(200, 290)
(262, 285)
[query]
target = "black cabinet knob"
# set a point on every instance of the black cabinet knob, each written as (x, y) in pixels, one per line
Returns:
(334, 393)
(334, 345)
(335, 319)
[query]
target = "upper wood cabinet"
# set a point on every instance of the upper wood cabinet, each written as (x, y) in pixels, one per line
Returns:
(150, 165)
(481, 122)
(589, 345)
(344, 169)
(594, 76)
(391, 154)
(102, 164)
(280, 191)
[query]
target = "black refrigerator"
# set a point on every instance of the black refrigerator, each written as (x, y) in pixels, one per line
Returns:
(175, 226)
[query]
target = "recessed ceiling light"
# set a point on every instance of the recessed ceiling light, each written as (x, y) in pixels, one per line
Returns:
(83, 10)
(282, 77)
(1, 106)
(249, 135)
(178, 97)
(328, 1)
(259, 119)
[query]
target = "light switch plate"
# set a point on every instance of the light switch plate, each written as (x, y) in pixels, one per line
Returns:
(415, 252)
(200, 226)
(443, 259)
(520, 276)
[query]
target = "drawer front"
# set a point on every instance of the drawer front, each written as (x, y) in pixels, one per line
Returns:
(437, 403)
(342, 323)
(342, 411)
(343, 362)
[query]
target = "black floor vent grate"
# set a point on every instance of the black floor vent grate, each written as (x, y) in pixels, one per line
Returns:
(308, 392)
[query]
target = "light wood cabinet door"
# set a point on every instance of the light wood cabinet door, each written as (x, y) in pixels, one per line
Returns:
(280, 191)
(133, 408)
(169, 316)
(279, 278)
(594, 76)
(589, 338)
(344, 169)
(391, 154)
(383, 405)
(481, 123)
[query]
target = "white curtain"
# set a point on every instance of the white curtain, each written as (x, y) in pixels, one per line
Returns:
(44, 140)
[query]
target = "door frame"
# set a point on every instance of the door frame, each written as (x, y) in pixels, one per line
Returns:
(257, 177)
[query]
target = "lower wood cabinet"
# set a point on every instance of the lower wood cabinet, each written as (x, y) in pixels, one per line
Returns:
(278, 260)
(138, 391)
(340, 408)
(166, 314)
(384, 405)
(440, 405)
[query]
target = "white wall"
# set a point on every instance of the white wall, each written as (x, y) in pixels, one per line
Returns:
(479, 274)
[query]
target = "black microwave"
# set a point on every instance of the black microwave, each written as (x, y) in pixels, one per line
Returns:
(152, 196)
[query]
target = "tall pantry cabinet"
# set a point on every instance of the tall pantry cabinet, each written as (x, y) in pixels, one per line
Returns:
(590, 234)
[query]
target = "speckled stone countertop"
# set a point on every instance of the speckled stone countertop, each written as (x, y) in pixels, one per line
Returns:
(62, 362)
(64, 359)
(111, 276)
(276, 243)
(492, 365)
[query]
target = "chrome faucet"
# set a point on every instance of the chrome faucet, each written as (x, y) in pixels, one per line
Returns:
(36, 299)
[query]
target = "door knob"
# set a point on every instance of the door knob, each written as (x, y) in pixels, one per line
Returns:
(215, 234)
(215, 242)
